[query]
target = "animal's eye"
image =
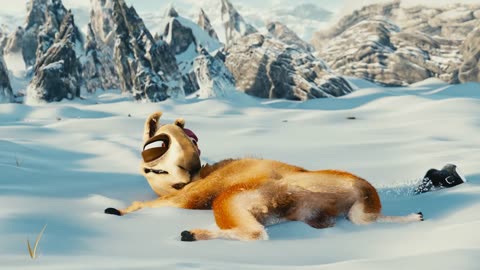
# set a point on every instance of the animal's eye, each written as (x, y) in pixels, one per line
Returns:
(156, 144)
(156, 147)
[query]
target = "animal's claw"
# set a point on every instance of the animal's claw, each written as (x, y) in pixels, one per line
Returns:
(421, 216)
(113, 211)
(188, 236)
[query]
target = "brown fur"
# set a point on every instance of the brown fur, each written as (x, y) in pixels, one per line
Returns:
(248, 194)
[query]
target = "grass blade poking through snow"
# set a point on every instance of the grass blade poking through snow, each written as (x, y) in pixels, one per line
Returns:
(33, 254)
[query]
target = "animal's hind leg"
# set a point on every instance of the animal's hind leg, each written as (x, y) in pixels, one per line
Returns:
(367, 209)
(233, 212)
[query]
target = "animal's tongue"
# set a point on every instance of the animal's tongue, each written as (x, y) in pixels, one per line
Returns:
(194, 137)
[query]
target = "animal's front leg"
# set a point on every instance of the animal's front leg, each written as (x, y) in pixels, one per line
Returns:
(137, 205)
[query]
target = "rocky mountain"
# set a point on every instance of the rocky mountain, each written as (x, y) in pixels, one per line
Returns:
(213, 77)
(24, 40)
(13, 43)
(43, 21)
(204, 23)
(285, 34)
(395, 45)
(470, 68)
(57, 73)
(453, 21)
(98, 65)
(268, 68)
(234, 24)
(6, 94)
(3, 37)
(146, 67)
(101, 22)
(187, 39)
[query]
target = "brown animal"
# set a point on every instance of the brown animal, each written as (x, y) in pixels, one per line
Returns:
(248, 194)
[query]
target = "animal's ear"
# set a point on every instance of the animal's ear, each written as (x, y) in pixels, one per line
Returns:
(151, 125)
(180, 122)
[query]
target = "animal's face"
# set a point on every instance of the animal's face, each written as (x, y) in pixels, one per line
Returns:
(170, 158)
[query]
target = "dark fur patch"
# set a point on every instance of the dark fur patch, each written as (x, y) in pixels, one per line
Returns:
(152, 127)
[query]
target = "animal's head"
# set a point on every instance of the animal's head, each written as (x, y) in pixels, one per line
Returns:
(170, 157)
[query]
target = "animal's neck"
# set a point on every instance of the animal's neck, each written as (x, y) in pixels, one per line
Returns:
(208, 169)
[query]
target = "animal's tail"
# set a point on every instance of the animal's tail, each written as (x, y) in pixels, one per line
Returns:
(414, 217)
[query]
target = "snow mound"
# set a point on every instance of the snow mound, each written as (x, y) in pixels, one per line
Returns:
(63, 163)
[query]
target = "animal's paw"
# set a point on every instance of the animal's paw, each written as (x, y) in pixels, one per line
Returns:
(113, 211)
(188, 236)
(421, 216)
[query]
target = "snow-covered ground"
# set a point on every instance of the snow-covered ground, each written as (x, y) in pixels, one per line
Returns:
(63, 163)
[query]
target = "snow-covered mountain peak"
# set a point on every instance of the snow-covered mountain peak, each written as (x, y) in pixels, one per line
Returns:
(234, 24)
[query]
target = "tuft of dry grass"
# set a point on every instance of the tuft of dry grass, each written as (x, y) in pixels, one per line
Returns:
(18, 161)
(33, 253)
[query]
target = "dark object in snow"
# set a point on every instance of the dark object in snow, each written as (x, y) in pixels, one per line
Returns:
(188, 236)
(447, 177)
(112, 211)
(351, 118)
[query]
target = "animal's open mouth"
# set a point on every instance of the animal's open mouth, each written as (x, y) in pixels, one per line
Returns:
(146, 170)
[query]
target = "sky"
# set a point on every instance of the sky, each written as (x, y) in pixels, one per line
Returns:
(18, 6)
(255, 12)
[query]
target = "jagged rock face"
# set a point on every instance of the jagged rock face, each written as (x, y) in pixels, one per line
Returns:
(267, 68)
(283, 33)
(183, 35)
(451, 22)
(98, 66)
(396, 45)
(470, 68)
(179, 37)
(235, 25)
(186, 39)
(172, 12)
(204, 23)
(101, 22)
(378, 50)
(14, 41)
(454, 21)
(36, 17)
(56, 72)
(145, 67)
(357, 16)
(55, 14)
(43, 22)
(6, 94)
(213, 77)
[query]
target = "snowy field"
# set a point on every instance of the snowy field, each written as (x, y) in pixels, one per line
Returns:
(63, 163)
